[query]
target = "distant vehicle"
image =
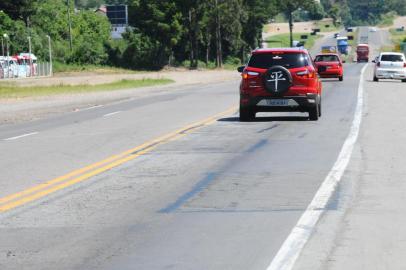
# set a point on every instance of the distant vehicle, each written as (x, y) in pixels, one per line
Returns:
(364, 39)
(329, 49)
(372, 29)
(362, 52)
(336, 35)
(342, 44)
(329, 66)
(9, 66)
(30, 63)
(276, 80)
(390, 65)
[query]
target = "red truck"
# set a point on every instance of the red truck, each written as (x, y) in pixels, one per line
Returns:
(362, 52)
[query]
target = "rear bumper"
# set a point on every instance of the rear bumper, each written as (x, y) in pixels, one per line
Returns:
(397, 74)
(304, 103)
(332, 73)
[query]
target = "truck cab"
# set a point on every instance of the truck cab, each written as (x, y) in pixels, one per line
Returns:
(342, 44)
(362, 53)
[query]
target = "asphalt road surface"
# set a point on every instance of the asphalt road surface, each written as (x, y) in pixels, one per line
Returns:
(175, 181)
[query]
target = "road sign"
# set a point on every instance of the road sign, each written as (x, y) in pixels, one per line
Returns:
(117, 14)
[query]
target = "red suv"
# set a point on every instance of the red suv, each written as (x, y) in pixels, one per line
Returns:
(280, 80)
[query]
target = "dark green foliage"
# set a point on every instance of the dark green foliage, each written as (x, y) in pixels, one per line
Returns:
(362, 12)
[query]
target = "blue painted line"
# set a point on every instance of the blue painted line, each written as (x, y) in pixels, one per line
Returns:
(256, 146)
(199, 187)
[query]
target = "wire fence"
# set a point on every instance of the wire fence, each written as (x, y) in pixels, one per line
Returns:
(14, 71)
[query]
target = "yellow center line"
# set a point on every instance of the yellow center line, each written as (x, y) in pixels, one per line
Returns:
(36, 192)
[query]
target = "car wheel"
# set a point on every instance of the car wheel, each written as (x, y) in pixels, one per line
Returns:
(376, 79)
(319, 109)
(341, 78)
(314, 113)
(246, 114)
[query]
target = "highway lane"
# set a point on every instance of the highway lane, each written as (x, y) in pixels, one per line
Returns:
(224, 196)
(365, 229)
(74, 140)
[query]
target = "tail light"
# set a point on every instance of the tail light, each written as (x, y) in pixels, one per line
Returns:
(404, 65)
(249, 74)
(306, 74)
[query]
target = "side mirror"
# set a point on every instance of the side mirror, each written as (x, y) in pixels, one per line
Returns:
(321, 69)
(241, 69)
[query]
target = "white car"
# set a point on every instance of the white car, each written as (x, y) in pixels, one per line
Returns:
(390, 65)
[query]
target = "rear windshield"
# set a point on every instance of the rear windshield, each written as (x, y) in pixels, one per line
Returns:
(287, 60)
(326, 58)
(362, 49)
(392, 58)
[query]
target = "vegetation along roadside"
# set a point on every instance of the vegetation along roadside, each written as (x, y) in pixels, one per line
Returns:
(8, 91)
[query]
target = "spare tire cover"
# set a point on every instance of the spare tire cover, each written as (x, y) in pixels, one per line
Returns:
(277, 80)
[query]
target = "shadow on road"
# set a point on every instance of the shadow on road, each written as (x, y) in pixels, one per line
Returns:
(268, 119)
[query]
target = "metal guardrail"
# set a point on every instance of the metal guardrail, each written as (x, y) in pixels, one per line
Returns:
(41, 69)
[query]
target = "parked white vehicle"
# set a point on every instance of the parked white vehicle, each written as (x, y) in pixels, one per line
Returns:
(390, 65)
(9, 67)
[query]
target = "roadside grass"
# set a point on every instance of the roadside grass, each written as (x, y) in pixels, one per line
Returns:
(326, 26)
(283, 40)
(387, 19)
(397, 37)
(59, 67)
(229, 64)
(8, 90)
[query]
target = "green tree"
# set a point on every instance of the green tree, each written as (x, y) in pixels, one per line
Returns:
(91, 32)
(19, 9)
(161, 21)
(289, 6)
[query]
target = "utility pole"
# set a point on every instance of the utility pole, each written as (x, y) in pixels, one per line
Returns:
(50, 56)
(70, 27)
(8, 55)
(291, 27)
(29, 53)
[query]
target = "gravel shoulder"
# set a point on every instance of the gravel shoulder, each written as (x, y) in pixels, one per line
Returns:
(29, 109)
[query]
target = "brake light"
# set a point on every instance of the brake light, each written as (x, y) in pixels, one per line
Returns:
(249, 74)
(306, 73)
(404, 65)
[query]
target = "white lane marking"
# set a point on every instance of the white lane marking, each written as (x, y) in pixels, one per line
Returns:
(287, 255)
(110, 114)
(21, 136)
(89, 108)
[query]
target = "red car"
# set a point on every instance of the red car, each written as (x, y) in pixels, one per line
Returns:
(279, 80)
(332, 65)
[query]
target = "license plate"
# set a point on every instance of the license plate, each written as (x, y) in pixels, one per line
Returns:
(274, 102)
